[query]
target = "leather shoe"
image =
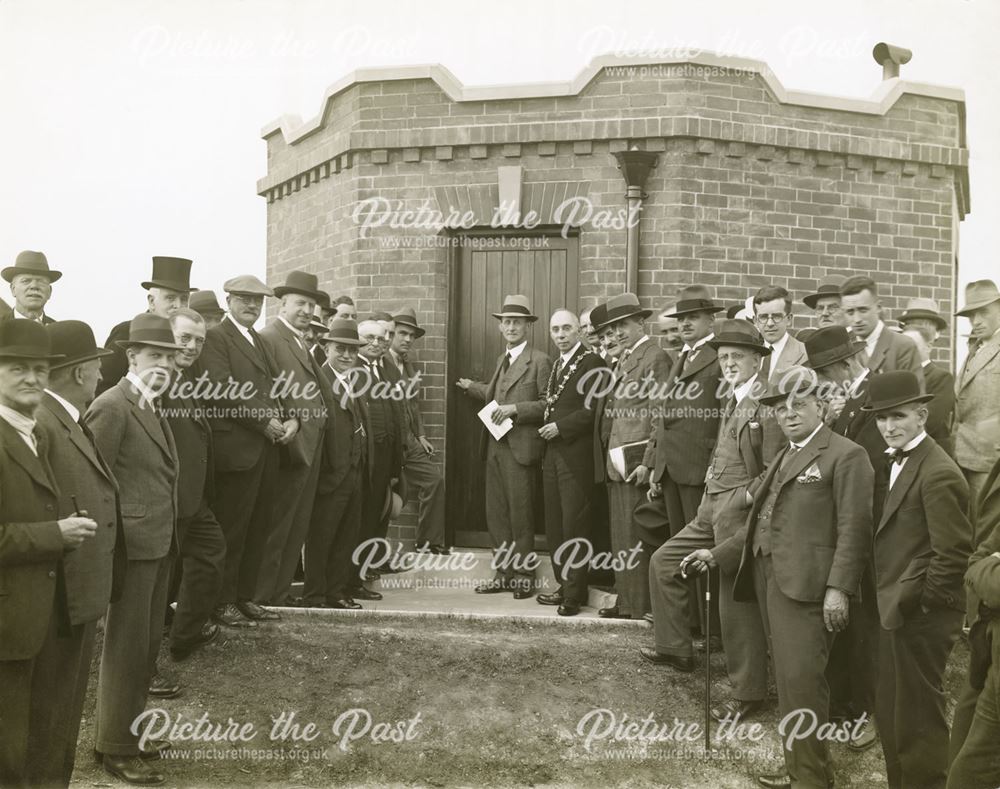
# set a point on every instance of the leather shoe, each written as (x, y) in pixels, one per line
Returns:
(866, 737)
(612, 613)
(344, 604)
(714, 641)
(154, 749)
(685, 664)
(163, 688)
(439, 550)
(372, 576)
(555, 598)
(365, 594)
(781, 781)
(648, 616)
(734, 707)
(209, 632)
(131, 769)
(491, 587)
(523, 590)
(568, 609)
(231, 616)
(251, 610)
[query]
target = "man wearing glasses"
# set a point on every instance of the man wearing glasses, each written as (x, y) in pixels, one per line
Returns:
(772, 308)
(825, 302)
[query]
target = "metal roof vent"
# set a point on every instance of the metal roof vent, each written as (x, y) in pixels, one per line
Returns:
(890, 58)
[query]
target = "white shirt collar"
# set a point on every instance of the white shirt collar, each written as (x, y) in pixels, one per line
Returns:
(910, 445)
(802, 444)
(19, 314)
(697, 346)
(24, 425)
(243, 329)
(344, 380)
(516, 350)
(291, 328)
(872, 339)
(147, 394)
(856, 383)
(71, 409)
(744, 388)
(925, 362)
(778, 347)
(569, 354)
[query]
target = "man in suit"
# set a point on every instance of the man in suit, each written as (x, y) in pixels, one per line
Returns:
(568, 465)
(246, 435)
(41, 650)
(801, 578)
(670, 330)
(30, 281)
(825, 302)
(977, 418)
(206, 304)
(940, 383)
(922, 315)
(772, 313)
(92, 573)
(343, 480)
(133, 436)
(343, 307)
(202, 547)
(168, 289)
(302, 442)
(512, 462)
(419, 470)
(885, 350)
(714, 538)
(922, 545)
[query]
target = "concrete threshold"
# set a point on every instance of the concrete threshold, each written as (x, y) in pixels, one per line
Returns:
(583, 619)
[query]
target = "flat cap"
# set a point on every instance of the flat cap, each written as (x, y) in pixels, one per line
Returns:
(247, 285)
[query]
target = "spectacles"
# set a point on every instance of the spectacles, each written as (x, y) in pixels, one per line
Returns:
(828, 309)
(184, 339)
(372, 340)
(776, 318)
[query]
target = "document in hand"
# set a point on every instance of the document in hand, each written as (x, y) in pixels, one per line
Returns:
(625, 458)
(497, 431)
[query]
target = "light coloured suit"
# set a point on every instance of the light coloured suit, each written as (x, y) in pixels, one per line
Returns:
(977, 417)
(792, 355)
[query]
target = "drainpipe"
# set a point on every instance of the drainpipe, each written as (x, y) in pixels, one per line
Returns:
(635, 166)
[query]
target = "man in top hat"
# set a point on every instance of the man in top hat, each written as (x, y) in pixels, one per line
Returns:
(302, 443)
(94, 571)
(247, 431)
(168, 289)
(30, 281)
(40, 650)
(802, 579)
(344, 478)
(977, 419)
(135, 439)
(419, 470)
(206, 304)
(940, 383)
(825, 302)
(621, 430)
(922, 543)
(922, 315)
(885, 350)
(772, 313)
(714, 538)
(512, 462)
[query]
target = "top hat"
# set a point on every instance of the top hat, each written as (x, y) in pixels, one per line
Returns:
(246, 285)
(888, 390)
(828, 345)
(620, 307)
(24, 339)
(148, 328)
(344, 331)
(170, 273)
(979, 294)
(695, 298)
(923, 308)
(737, 331)
(74, 341)
(795, 381)
(516, 306)
(828, 286)
(202, 301)
(303, 283)
(406, 316)
(29, 262)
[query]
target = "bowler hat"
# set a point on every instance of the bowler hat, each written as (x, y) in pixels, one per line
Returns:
(246, 285)
(979, 294)
(74, 340)
(828, 286)
(888, 390)
(516, 306)
(148, 328)
(739, 332)
(795, 381)
(30, 262)
(170, 273)
(407, 316)
(651, 521)
(303, 283)
(24, 339)
(695, 298)
(202, 301)
(829, 345)
(622, 306)
(344, 331)
(923, 308)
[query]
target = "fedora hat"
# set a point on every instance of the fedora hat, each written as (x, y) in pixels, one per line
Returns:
(344, 331)
(695, 298)
(651, 521)
(303, 283)
(30, 262)
(202, 301)
(516, 306)
(827, 286)
(24, 339)
(74, 341)
(620, 307)
(407, 316)
(829, 345)
(979, 294)
(317, 324)
(246, 285)
(598, 316)
(737, 331)
(395, 498)
(147, 328)
(923, 308)
(795, 381)
(170, 273)
(888, 390)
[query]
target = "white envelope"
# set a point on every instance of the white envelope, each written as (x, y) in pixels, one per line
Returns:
(497, 431)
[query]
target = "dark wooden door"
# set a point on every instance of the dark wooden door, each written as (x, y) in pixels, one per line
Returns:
(546, 269)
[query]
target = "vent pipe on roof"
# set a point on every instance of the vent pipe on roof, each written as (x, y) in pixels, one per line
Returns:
(890, 58)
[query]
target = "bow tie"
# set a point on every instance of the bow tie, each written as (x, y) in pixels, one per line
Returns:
(897, 456)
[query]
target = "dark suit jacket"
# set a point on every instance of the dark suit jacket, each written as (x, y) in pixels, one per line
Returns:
(941, 384)
(894, 351)
(141, 454)
(524, 386)
(344, 447)
(821, 531)
(411, 406)
(95, 570)
(193, 440)
(31, 545)
(924, 538)
(860, 426)
(239, 432)
(115, 366)
(5, 310)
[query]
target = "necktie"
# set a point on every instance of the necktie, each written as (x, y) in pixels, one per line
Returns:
(765, 365)
(682, 362)
(505, 366)
(730, 407)
(559, 366)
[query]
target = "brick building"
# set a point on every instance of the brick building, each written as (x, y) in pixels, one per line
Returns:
(519, 189)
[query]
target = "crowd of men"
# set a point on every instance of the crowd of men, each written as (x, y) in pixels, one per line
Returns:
(830, 486)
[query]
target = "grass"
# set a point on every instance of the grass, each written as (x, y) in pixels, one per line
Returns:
(499, 705)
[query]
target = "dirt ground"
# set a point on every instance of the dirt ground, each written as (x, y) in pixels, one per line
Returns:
(452, 703)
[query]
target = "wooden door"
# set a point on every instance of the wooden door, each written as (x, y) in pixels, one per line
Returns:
(546, 270)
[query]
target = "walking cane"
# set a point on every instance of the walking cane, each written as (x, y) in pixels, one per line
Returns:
(708, 656)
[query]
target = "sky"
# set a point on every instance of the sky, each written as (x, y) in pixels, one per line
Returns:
(133, 127)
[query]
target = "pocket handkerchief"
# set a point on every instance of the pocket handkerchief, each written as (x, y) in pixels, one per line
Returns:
(811, 474)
